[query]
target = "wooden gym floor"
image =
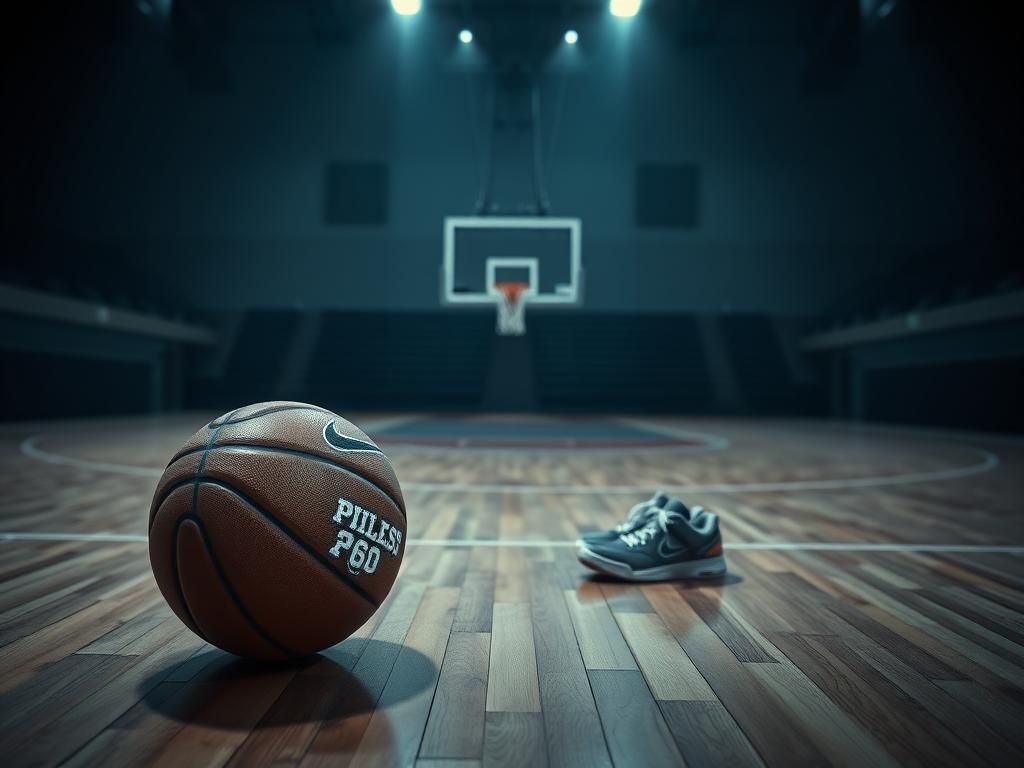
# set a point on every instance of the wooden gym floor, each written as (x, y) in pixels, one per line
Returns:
(873, 613)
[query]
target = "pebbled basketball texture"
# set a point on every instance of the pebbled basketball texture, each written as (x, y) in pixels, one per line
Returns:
(277, 530)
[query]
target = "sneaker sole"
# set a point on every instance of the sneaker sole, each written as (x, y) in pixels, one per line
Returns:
(705, 568)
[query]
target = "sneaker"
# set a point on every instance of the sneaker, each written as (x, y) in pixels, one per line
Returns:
(668, 546)
(636, 519)
(640, 515)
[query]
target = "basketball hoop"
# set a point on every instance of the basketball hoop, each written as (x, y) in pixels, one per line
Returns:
(512, 308)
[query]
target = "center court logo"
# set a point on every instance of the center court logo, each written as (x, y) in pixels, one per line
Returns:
(363, 537)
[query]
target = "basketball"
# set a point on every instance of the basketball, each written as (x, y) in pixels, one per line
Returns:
(277, 530)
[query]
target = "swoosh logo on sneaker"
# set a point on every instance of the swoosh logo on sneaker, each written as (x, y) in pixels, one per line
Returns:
(345, 443)
(666, 551)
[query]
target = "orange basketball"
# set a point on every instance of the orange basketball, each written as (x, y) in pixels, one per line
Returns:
(277, 530)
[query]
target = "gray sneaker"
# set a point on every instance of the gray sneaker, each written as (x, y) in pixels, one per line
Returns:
(640, 515)
(669, 546)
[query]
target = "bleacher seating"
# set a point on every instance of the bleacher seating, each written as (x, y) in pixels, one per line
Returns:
(628, 363)
(924, 281)
(401, 360)
(582, 362)
(92, 273)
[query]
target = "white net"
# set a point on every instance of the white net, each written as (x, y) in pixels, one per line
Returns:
(512, 309)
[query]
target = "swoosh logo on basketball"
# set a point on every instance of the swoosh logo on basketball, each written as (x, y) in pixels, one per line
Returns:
(344, 443)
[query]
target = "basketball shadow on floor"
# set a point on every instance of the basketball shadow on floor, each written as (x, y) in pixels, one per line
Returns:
(216, 689)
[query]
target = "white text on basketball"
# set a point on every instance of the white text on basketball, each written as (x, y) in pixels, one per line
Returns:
(364, 552)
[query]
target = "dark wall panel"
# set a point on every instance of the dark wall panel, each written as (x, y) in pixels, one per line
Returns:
(667, 196)
(356, 194)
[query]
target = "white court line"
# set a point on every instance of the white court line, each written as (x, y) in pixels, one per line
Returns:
(780, 546)
(989, 462)
(105, 538)
(28, 448)
(708, 443)
(712, 442)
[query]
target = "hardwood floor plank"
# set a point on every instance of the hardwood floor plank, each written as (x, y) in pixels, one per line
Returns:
(283, 735)
(455, 728)
(1002, 713)
(904, 729)
(64, 735)
(476, 605)
(705, 603)
(25, 657)
(602, 645)
(339, 737)
(633, 725)
(833, 731)
(25, 710)
(571, 724)
(909, 653)
(945, 637)
(44, 686)
(934, 647)
(243, 701)
(771, 728)
(624, 598)
(133, 629)
(707, 735)
(514, 739)
(964, 620)
(669, 671)
(977, 607)
(138, 734)
(511, 582)
(954, 716)
(451, 568)
(395, 729)
(512, 684)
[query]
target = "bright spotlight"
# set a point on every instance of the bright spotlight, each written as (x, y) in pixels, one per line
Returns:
(571, 37)
(624, 8)
(407, 7)
(465, 36)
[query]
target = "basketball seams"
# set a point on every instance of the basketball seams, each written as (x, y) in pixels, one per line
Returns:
(228, 587)
(202, 462)
(214, 560)
(267, 412)
(248, 501)
(295, 452)
(194, 625)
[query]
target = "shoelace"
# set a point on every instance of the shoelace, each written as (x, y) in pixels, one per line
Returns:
(635, 513)
(640, 537)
